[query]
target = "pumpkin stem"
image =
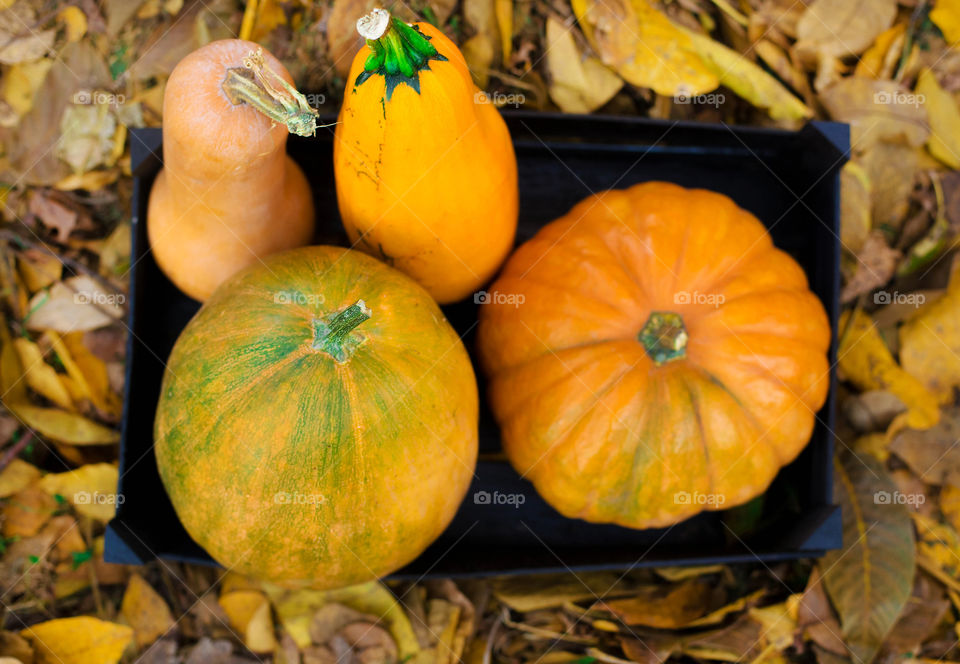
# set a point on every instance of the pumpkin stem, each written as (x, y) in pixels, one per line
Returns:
(332, 335)
(664, 337)
(268, 92)
(398, 51)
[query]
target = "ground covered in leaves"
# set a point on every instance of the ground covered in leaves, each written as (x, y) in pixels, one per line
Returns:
(77, 76)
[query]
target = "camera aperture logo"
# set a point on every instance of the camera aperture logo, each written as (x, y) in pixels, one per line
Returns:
(697, 498)
(296, 297)
(497, 498)
(97, 498)
(898, 498)
(100, 299)
(297, 498)
(696, 297)
(496, 297)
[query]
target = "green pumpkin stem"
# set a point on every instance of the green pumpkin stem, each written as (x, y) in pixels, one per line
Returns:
(333, 337)
(268, 92)
(398, 51)
(664, 337)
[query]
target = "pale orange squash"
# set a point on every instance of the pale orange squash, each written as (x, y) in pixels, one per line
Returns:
(425, 170)
(651, 355)
(228, 194)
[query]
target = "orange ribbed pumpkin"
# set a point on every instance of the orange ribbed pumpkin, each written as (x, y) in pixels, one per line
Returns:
(651, 355)
(425, 170)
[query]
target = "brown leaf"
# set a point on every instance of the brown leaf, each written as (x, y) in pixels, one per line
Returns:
(876, 263)
(872, 410)
(856, 193)
(146, 611)
(331, 618)
(934, 454)
(27, 511)
(877, 111)
(677, 608)
(921, 616)
(343, 40)
(891, 168)
(843, 27)
(816, 617)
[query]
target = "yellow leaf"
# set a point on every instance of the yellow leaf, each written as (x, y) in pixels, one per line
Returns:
(79, 640)
(748, 80)
(577, 84)
(87, 370)
(878, 111)
(249, 614)
(146, 611)
(946, 16)
(644, 47)
(91, 180)
(930, 343)
(843, 27)
(950, 505)
(39, 375)
(938, 543)
(39, 269)
(880, 57)
(874, 444)
(18, 475)
(865, 361)
(21, 83)
(74, 22)
(504, 13)
(855, 201)
(91, 489)
(778, 624)
(62, 426)
(944, 117)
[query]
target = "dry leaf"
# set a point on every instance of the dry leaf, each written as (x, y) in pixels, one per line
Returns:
(17, 476)
(343, 39)
(644, 47)
(933, 454)
(578, 84)
(816, 618)
(946, 16)
(74, 22)
(146, 611)
(39, 269)
(843, 27)
(866, 362)
(544, 591)
(749, 80)
(76, 304)
(870, 578)
(91, 489)
(891, 168)
(877, 111)
(62, 426)
(855, 203)
(950, 504)
(40, 376)
(26, 46)
(480, 50)
(27, 511)
(930, 343)
(879, 60)
(249, 614)
(944, 117)
(939, 544)
(79, 640)
(86, 136)
(876, 263)
(675, 610)
(21, 83)
(54, 214)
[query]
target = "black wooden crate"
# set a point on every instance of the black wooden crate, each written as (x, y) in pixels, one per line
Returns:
(789, 180)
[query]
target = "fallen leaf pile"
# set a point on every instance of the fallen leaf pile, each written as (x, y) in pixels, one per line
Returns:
(76, 77)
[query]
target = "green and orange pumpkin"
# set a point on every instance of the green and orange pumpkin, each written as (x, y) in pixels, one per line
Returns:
(317, 425)
(658, 356)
